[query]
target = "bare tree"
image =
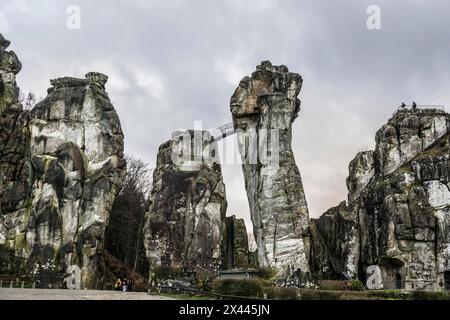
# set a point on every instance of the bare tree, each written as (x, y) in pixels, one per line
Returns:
(138, 177)
(123, 234)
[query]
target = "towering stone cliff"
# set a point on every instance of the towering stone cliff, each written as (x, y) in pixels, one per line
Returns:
(399, 199)
(60, 168)
(187, 205)
(14, 136)
(264, 107)
(15, 166)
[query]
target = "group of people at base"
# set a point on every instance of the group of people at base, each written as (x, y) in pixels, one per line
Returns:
(123, 284)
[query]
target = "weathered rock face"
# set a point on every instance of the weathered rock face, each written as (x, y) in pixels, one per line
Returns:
(187, 205)
(407, 134)
(264, 107)
(235, 244)
(14, 135)
(361, 170)
(15, 165)
(9, 67)
(401, 204)
(335, 248)
(58, 190)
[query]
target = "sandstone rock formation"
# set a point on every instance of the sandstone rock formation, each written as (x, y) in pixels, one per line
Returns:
(399, 201)
(335, 247)
(235, 244)
(62, 164)
(187, 205)
(361, 170)
(15, 164)
(264, 107)
(60, 168)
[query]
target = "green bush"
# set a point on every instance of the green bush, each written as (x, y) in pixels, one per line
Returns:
(163, 273)
(204, 279)
(329, 295)
(311, 294)
(272, 292)
(356, 285)
(281, 293)
(254, 288)
(335, 285)
(288, 294)
(266, 273)
(240, 287)
(357, 295)
(430, 295)
(390, 294)
(341, 285)
(413, 295)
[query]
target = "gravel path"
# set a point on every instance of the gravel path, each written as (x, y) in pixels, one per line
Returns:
(61, 294)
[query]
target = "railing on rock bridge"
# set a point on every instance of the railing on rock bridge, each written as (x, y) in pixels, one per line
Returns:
(419, 107)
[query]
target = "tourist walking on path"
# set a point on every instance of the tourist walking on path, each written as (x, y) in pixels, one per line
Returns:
(124, 285)
(130, 285)
(118, 284)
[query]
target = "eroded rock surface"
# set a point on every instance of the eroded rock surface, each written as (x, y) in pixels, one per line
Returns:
(60, 168)
(335, 238)
(14, 136)
(361, 170)
(15, 166)
(400, 203)
(264, 106)
(236, 253)
(406, 135)
(187, 206)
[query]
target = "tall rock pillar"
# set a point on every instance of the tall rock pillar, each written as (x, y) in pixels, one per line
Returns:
(264, 106)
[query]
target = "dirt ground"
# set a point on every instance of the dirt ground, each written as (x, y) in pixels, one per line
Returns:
(64, 294)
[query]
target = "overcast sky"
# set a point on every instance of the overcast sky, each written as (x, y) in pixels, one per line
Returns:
(171, 63)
